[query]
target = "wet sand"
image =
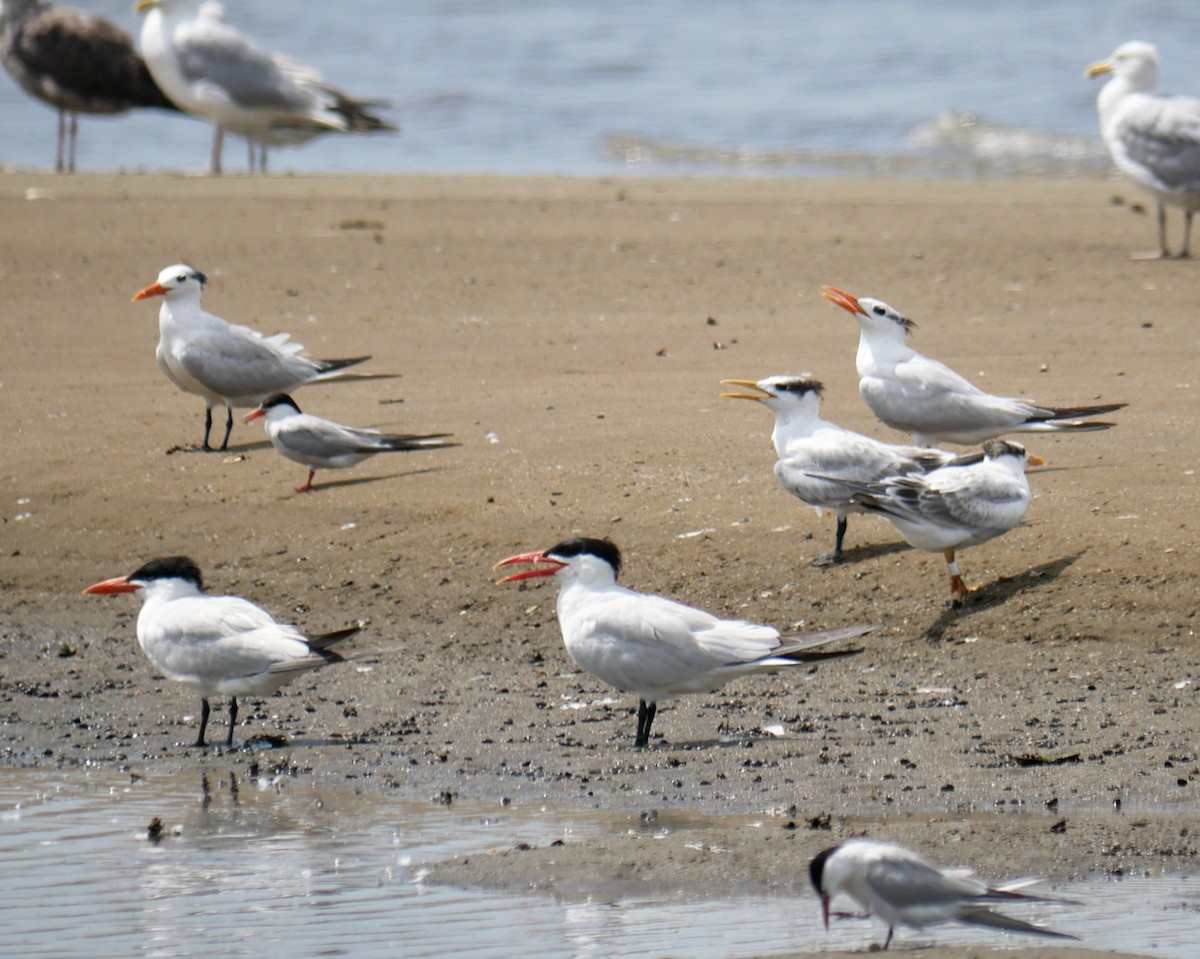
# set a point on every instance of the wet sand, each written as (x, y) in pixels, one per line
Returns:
(572, 334)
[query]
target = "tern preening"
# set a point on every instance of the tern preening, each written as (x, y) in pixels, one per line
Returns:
(219, 645)
(918, 395)
(807, 445)
(75, 62)
(1154, 139)
(222, 362)
(322, 444)
(965, 503)
(653, 647)
(898, 887)
(213, 71)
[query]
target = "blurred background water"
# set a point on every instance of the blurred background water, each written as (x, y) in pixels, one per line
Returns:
(754, 87)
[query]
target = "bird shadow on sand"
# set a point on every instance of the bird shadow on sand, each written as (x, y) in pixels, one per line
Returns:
(860, 554)
(236, 450)
(1000, 591)
(319, 485)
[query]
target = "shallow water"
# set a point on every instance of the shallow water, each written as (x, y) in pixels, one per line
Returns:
(274, 868)
(604, 86)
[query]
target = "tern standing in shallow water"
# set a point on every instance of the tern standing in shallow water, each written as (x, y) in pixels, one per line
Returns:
(918, 395)
(222, 362)
(807, 445)
(325, 445)
(898, 887)
(653, 647)
(1153, 139)
(219, 645)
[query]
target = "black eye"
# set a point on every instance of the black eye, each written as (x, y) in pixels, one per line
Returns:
(181, 278)
(879, 311)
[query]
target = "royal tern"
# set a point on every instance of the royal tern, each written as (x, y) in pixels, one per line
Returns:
(807, 444)
(75, 62)
(1154, 139)
(965, 503)
(897, 886)
(222, 362)
(918, 395)
(213, 71)
(653, 647)
(324, 445)
(220, 645)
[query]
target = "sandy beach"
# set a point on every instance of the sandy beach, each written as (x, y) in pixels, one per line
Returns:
(571, 334)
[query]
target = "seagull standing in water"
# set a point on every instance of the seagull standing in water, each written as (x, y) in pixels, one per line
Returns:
(653, 647)
(211, 70)
(1154, 139)
(75, 62)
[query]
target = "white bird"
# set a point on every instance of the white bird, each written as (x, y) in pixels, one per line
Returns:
(220, 645)
(75, 62)
(807, 444)
(222, 362)
(213, 71)
(1154, 139)
(899, 887)
(964, 503)
(324, 445)
(918, 395)
(653, 647)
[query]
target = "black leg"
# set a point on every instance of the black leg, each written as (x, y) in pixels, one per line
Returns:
(228, 427)
(832, 559)
(646, 713)
(1185, 251)
(204, 711)
(232, 719)
(207, 429)
(888, 941)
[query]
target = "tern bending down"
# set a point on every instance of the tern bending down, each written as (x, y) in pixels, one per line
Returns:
(653, 647)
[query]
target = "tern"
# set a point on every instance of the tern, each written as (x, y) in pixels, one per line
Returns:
(899, 887)
(918, 395)
(75, 62)
(211, 70)
(222, 362)
(653, 647)
(965, 503)
(807, 444)
(324, 445)
(220, 645)
(1154, 139)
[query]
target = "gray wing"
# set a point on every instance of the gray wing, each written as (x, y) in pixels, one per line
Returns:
(315, 437)
(218, 54)
(913, 884)
(238, 365)
(1160, 136)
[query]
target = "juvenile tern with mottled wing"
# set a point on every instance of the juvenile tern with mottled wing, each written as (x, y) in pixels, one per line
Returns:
(1154, 139)
(653, 647)
(918, 395)
(807, 444)
(899, 887)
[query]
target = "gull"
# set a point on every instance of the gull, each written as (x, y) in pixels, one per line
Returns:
(219, 645)
(75, 62)
(965, 503)
(807, 445)
(211, 70)
(222, 362)
(1154, 139)
(654, 647)
(918, 395)
(899, 887)
(322, 444)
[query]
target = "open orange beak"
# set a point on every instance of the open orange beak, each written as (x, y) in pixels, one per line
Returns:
(538, 556)
(154, 289)
(847, 301)
(120, 584)
(749, 384)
